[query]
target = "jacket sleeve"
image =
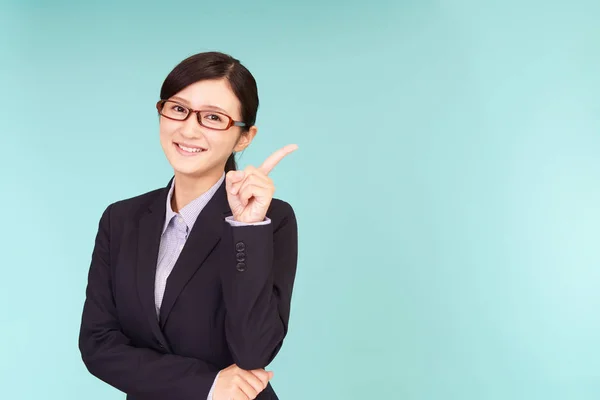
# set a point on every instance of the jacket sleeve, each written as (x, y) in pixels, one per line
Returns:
(110, 356)
(257, 282)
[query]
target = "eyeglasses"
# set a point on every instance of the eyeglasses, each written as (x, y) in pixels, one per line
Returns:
(207, 118)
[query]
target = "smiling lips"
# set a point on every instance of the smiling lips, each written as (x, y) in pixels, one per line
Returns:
(188, 150)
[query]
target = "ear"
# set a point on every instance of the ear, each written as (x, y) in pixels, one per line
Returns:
(245, 139)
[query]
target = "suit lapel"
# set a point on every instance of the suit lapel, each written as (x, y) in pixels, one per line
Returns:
(202, 239)
(150, 230)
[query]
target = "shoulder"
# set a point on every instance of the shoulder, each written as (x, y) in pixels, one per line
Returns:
(281, 212)
(132, 207)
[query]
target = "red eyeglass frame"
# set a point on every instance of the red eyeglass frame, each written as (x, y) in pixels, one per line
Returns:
(160, 105)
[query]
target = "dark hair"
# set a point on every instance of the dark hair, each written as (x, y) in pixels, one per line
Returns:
(216, 65)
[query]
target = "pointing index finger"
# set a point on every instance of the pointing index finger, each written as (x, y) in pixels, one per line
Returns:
(274, 158)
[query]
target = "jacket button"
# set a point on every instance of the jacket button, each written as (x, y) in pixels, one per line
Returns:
(240, 257)
(240, 246)
(241, 267)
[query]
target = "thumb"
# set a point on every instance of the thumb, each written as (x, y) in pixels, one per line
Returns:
(232, 178)
(235, 176)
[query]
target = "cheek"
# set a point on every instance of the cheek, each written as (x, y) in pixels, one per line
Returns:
(165, 129)
(166, 133)
(221, 142)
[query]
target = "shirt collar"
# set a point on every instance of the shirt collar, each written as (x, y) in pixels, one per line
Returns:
(191, 211)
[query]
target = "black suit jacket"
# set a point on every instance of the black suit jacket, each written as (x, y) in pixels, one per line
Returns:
(227, 300)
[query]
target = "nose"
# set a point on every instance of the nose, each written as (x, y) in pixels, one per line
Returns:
(191, 127)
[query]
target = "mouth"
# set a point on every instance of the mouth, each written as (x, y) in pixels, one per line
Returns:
(188, 150)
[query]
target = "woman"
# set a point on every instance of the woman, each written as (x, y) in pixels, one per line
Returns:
(189, 287)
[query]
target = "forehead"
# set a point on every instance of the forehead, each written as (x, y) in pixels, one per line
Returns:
(211, 93)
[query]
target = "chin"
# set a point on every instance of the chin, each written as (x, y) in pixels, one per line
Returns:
(192, 170)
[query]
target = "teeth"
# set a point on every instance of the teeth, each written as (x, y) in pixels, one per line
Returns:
(189, 149)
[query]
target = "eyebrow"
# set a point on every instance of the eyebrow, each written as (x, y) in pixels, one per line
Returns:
(208, 106)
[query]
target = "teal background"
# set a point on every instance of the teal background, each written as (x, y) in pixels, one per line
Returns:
(447, 184)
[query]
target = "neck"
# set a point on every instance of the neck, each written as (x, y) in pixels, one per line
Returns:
(188, 188)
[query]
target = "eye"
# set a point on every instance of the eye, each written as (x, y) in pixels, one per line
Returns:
(178, 109)
(213, 117)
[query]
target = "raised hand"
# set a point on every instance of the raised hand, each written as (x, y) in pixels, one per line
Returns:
(250, 191)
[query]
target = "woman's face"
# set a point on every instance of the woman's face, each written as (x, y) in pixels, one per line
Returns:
(195, 150)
